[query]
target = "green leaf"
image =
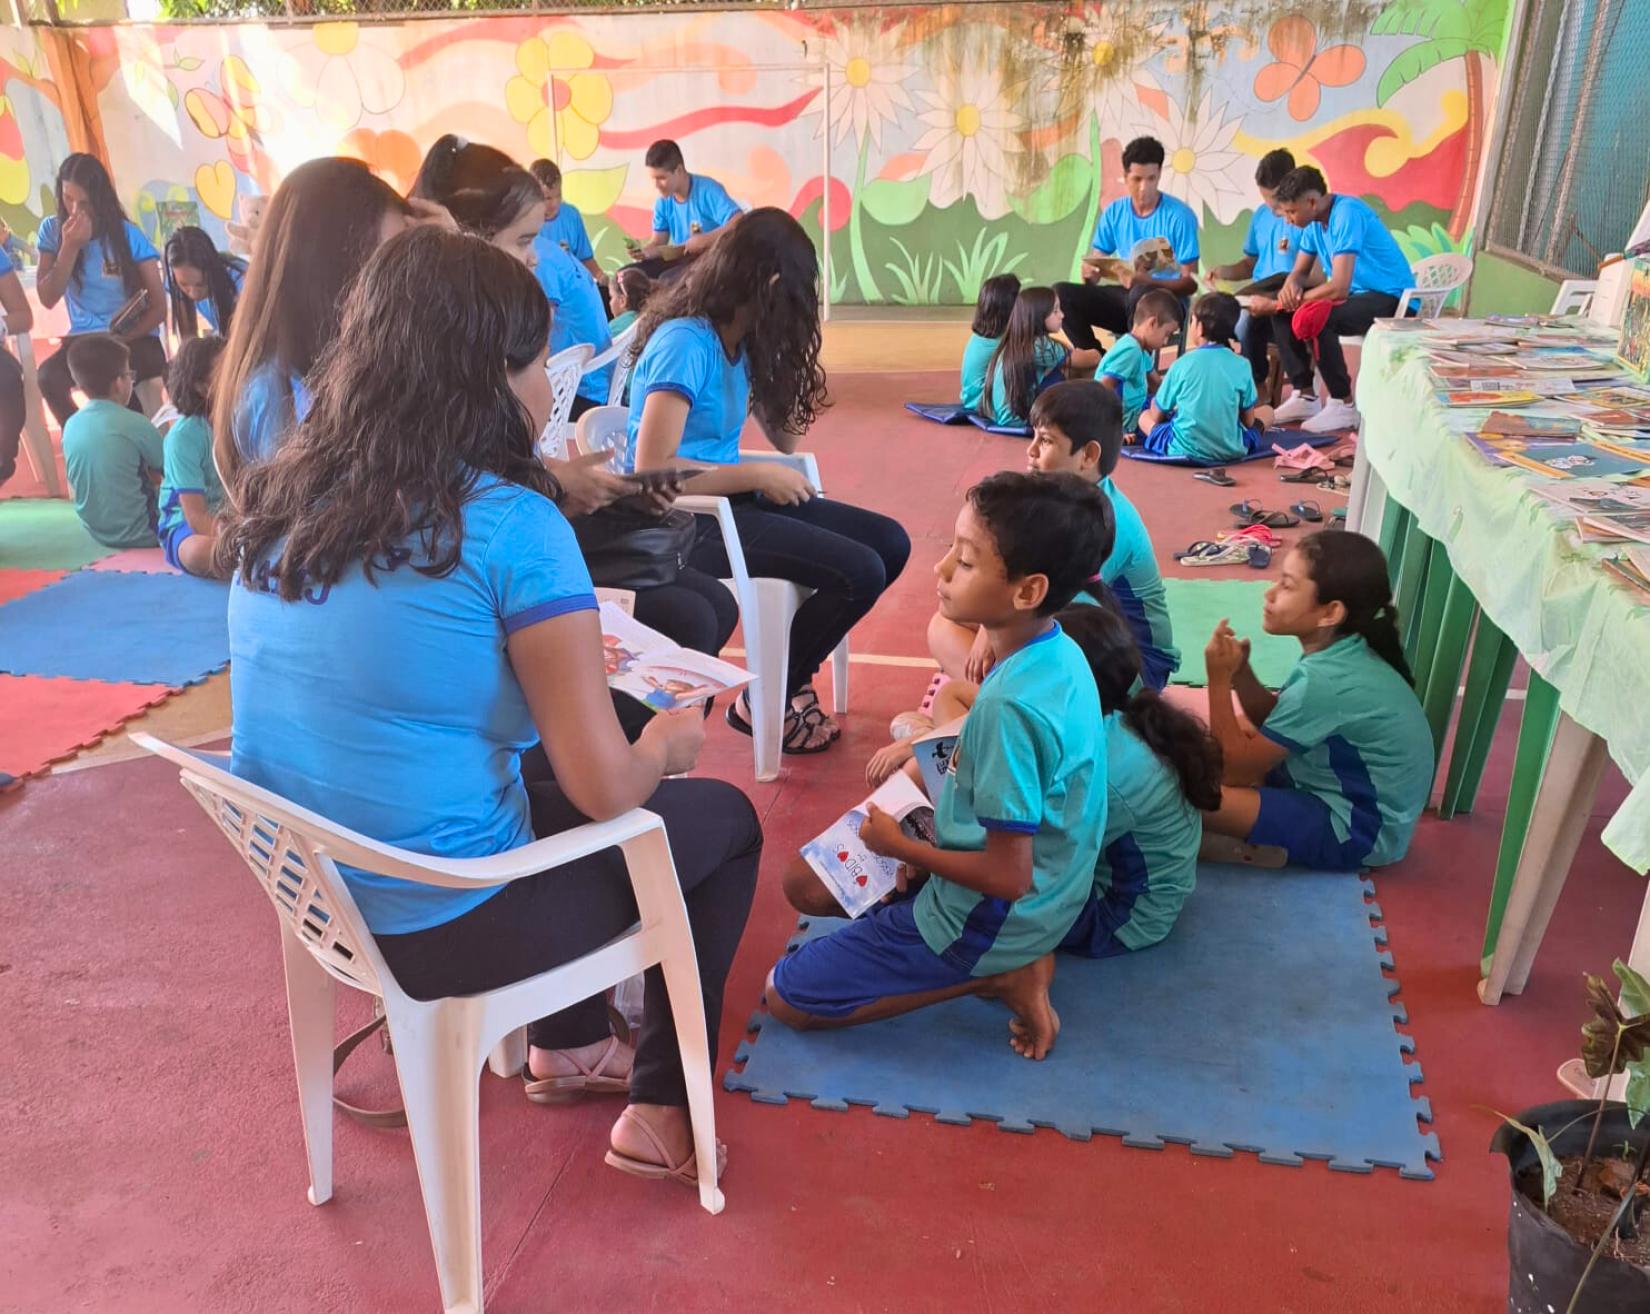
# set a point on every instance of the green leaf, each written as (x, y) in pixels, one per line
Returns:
(1550, 1169)
(1413, 62)
(1637, 1094)
(895, 204)
(1066, 187)
(188, 64)
(1635, 990)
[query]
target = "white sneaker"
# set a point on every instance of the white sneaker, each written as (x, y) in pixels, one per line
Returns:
(1296, 409)
(1333, 418)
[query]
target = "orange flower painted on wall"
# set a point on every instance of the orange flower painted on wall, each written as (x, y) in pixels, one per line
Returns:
(1300, 70)
(554, 81)
(392, 155)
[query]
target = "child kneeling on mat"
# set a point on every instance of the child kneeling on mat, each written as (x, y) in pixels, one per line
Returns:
(190, 492)
(1207, 411)
(1020, 816)
(1162, 774)
(1339, 763)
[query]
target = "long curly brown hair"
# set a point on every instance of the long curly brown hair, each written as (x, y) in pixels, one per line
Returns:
(764, 263)
(412, 405)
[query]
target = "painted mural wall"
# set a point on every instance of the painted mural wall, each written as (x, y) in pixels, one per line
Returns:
(936, 145)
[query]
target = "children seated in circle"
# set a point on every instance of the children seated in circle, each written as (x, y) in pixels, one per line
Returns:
(113, 455)
(1020, 815)
(1127, 368)
(1207, 409)
(991, 311)
(1335, 766)
(190, 493)
(1026, 360)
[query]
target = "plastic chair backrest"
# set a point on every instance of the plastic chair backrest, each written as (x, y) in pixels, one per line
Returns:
(1441, 273)
(564, 369)
(1575, 296)
(623, 363)
(607, 429)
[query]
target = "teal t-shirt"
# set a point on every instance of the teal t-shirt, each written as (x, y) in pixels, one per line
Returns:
(1128, 363)
(620, 322)
(109, 452)
(189, 469)
(1132, 574)
(1358, 740)
(1148, 859)
(1031, 760)
(976, 356)
(1204, 393)
(1046, 355)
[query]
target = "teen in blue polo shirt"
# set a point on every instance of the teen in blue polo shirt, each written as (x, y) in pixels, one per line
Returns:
(1019, 819)
(1144, 212)
(202, 282)
(1269, 251)
(1342, 753)
(691, 207)
(563, 224)
(1363, 273)
(1206, 411)
(577, 316)
(97, 260)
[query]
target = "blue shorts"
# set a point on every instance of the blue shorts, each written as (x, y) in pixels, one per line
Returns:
(1302, 825)
(1094, 933)
(878, 955)
(171, 540)
(1160, 439)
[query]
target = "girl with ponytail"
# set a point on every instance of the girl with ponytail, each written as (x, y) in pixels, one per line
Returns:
(1163, 772)
(1337, 766)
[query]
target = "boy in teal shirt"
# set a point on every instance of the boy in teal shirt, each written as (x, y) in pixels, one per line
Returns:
(1076, 428)
(113, 455)
(191, 493)
(1019, 819)
(1206, 411)
(1127, 368)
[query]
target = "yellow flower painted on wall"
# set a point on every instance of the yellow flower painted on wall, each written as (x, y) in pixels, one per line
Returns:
(554, 81)
(340, 76)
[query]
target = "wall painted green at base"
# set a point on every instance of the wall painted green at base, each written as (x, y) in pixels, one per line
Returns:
(1500, 287)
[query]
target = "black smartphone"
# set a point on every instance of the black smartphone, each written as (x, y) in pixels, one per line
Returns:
(662, 480)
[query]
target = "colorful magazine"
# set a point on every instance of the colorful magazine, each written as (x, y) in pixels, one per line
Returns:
(858, 878)
(1482, 397)
(1503, 425)
(651, 669)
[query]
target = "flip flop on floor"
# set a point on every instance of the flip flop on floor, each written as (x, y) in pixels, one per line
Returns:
(1216, 476)
(685, 1171)
(1271, 519)
(1308, 510)
(590, 1079)
(1301, 476)
(1337, 483)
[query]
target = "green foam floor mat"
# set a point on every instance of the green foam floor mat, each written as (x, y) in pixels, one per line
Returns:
(1196, 606)
(45, 534)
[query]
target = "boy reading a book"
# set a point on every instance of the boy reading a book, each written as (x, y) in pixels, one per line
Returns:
(1019, 818)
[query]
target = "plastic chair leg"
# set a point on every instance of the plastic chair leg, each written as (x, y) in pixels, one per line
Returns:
(768, 649)
(438, 1060)
(839, 677)
(1430, 620)
(509, 1056)
(1488, 673)
(1411, 585)
(1449, 653)
(1535, 737)
(311, 1010)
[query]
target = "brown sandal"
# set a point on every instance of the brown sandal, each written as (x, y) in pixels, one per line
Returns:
(802, 724)
(686, 1172)
(590, 1079)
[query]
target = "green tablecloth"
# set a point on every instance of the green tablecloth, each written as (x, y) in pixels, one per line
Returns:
(1588, 635)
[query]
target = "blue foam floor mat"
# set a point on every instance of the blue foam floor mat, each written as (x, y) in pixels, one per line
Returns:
(1265, 1023)
(124, 628)
(1288, 439)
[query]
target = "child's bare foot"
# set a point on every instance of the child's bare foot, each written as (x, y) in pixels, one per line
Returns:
(1025, 990)
(885, 761)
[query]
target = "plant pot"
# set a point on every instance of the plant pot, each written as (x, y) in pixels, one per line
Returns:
(1544, 1261)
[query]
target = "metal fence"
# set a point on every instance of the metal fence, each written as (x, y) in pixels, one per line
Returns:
(1574, 164)
(81, 13)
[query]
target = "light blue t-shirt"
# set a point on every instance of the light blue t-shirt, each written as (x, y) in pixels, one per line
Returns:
(1047, 355)
(1031, 760)
(189, 469)
(685, 356)
(1148, 859)
(1128, 363)
(707, 208)
(207, 309)
(109, 453)
(390, 706)
(6, 265)
(976, 356)
(1131, 573)
(1203, 394)
(1273, 241)
(98, 293)
(1357, 739)
(1120, 230)
(577, 315)
(270, 405)
(567, 231)
(1354, 229)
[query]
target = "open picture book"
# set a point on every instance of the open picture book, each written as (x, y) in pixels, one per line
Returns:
(857, 877)
(652, 669)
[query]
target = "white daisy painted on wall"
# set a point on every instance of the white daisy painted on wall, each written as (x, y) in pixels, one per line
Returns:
(971, 126)
(867, 76)
(340, 76)
(1200, 165)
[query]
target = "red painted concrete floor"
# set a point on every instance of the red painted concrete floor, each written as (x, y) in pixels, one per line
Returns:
(152, 1158)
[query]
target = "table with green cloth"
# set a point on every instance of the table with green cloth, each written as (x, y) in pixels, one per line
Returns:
(1584, 634)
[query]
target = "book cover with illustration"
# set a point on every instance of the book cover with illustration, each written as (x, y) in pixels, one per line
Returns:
(652, 669)
(857, 877)
(1633, 350)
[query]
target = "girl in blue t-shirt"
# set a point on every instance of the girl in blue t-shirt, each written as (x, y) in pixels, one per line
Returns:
(1334, 768)
(1026, 360)
(738, 335)
(98, 261)
(202, 282)
(410, 615)
(991, 311)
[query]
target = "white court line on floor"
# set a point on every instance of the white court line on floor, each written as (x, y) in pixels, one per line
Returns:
(133, 753)
(866, 659)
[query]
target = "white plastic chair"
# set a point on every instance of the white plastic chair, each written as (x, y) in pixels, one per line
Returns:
(1575, 296)
(618, 356)
(1436, 278)
(604, 428)
(440, 1044)
(564, 369)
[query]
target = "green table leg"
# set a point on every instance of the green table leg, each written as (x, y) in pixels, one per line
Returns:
(1394, 521)
(1488, 672)
(1440, 578)
(1535, 737)
(1448, 654)
(1411, 584)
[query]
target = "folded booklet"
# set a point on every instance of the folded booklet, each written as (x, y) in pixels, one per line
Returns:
(857, 877)
(936, 754)
(652, 669)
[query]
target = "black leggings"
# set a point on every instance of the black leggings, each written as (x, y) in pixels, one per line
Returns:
(1351, 317)
(543, 921)
(846, 554)
(148, 362)
(13, 410)
(697, 612)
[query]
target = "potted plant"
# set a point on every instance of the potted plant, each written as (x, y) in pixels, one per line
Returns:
(1578, 1238)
